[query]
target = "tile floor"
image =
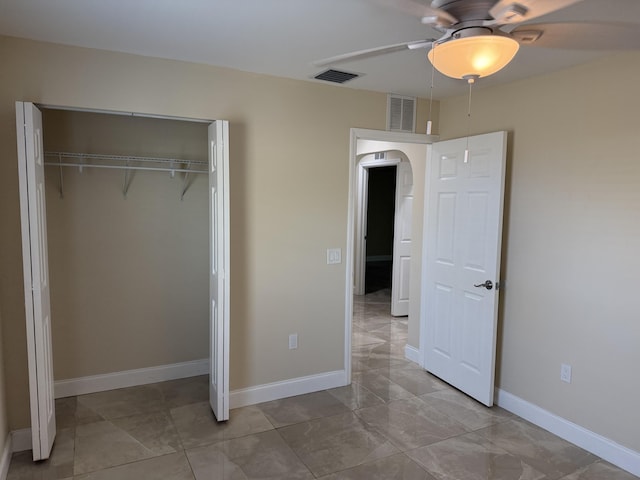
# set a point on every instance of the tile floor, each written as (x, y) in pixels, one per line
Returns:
(393, 422)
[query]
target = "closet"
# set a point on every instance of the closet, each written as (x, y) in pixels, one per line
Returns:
(127, 251)
(136, 229)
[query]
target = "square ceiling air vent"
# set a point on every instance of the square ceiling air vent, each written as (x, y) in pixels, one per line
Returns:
(336, 76)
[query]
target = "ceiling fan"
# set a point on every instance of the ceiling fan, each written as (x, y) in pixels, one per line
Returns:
(480, 37)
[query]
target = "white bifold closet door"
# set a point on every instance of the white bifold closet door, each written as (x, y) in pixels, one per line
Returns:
(219, 268)
(33, 217)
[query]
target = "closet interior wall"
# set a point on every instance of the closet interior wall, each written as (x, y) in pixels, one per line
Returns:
(128, 275)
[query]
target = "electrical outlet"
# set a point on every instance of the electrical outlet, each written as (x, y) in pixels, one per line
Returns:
(565, 373)
(293, 341)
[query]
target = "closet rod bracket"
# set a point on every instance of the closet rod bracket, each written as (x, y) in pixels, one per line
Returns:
(185, 182)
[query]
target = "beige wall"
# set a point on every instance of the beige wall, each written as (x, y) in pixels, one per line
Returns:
(289, 144)
(129, 282)
(572, 230)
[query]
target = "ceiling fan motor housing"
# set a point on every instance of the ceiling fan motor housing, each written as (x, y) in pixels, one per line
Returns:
(466, 10)
(471, 32)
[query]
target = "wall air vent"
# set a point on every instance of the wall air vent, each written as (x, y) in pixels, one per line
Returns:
(336, 76)
(401, 113)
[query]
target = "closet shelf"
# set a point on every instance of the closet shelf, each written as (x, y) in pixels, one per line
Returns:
(125, 162)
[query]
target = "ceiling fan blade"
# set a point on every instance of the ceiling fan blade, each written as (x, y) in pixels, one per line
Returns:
(373, 52)
(421, 9)
(515, 11)
(580, 36)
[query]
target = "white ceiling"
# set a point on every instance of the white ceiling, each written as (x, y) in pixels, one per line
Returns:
(284, 37)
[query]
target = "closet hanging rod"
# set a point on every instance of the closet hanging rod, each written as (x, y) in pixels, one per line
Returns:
(124, 167)
(122, 158)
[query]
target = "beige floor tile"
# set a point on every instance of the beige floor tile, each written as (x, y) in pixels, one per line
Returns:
(166, 467)
(197, 425)
(382, 296)
(331, 444)
(154, 430)
(398, 350)
(414, 380)
(380, 385)
(392, 331)
(124, 402)
(359, 339)
(102, 444)
(355, 396)
(396, 467)
(410, 423)
(263, 456)
(600, 470)
(185, 391)
(467, 411)
(359, 365)
(370, 320)
(301, 408)
(70, 413)
(210, 462)
(542, 450)
(468, 457)
(59, 465)
(385, 355)
(375, 314)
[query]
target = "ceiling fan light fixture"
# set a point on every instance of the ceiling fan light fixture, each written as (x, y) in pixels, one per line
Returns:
(477, 56)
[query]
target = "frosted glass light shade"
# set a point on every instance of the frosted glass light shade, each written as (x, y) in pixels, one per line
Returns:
(476, 56)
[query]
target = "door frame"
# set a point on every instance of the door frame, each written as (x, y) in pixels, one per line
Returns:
(355, 135)
(226, 306)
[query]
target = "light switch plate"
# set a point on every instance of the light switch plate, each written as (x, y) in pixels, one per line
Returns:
(334, 256)
(565, 373)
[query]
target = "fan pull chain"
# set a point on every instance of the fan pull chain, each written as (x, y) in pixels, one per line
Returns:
(470, 80)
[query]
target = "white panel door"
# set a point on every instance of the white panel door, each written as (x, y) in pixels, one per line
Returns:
(219, 268)
(36, 278)
(402, 240)
(463, 230)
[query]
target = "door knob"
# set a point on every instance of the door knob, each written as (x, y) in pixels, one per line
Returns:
(488, 285)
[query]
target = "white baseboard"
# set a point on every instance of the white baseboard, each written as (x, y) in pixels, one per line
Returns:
(129, 378)
(5, 459)
(603, 447)
(412, 354)
(287, 388)
(21, 440)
